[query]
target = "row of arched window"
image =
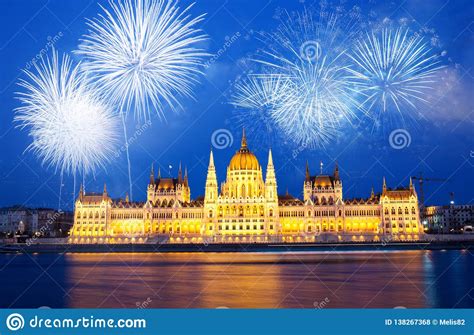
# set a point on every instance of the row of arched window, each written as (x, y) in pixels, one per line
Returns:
(91, 215)
(393, 211)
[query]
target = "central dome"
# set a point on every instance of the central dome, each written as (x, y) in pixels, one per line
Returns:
(244, 159)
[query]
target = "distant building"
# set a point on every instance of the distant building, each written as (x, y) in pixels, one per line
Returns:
(247, 208)
(448, 219)
(34, 221)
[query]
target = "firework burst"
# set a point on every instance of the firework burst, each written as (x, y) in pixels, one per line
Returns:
(308, 55)
(144, 53)
(255, 98)
(393, 69)
(72, 129)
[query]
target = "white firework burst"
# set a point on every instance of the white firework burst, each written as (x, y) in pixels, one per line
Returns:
(308, 55)
(144, 53)
(71, 128)
(255, 98)
(393, 69)
(318, 100)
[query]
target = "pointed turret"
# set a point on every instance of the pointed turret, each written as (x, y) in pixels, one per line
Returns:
(307, 174)
(186, 184)
(336, 172)
(104, 192)
(211, 159)
(411, 184)
(270, 179)
(244, 140)
(372, 194)
(127, 199)
(81, 192)
(211, 181)
(180, 174)
(384, 186)
(270, 158)
(159, 173)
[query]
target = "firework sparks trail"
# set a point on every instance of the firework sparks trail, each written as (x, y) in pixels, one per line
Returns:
(71, 128)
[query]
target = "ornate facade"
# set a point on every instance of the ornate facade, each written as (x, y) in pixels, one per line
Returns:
(247, 209)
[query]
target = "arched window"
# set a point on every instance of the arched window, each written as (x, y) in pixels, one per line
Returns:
(271, 212)
(399, 210)
(413, 210)
(210, 213)
(393, 211)
(406, 210)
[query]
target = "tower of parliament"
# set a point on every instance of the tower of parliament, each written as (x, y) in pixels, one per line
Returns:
(246, 209)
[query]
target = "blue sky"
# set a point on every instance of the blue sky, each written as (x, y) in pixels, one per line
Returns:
(442, 142)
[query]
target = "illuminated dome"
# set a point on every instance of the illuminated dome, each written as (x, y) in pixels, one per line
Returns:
(244, 159)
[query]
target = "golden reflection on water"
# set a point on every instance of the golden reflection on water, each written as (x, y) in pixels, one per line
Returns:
(248, 280)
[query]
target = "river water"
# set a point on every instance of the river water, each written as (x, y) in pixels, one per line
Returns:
(239, 280)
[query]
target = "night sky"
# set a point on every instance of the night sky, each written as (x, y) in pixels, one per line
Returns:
(442, 141)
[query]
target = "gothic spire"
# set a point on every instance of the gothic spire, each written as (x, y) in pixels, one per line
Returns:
(244, 140)
(211, 159)
(336, 171)
(186, 176)
(270, 158)
(180, 174)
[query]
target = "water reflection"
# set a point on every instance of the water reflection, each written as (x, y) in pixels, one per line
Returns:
(255, 280)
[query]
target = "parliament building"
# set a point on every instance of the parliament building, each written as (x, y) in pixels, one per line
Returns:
(247, 209)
